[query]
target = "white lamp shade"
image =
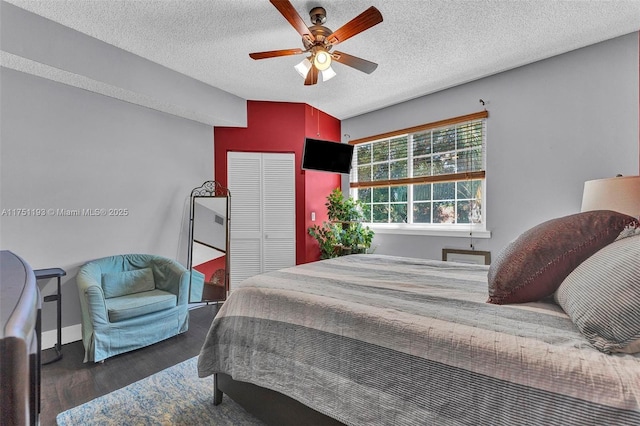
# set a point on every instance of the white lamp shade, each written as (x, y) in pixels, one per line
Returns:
(303, 67)
(328, 74)
(620, 194)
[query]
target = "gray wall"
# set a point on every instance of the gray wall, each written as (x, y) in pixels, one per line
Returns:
(552, 125)
(67, 148)
(86, 125)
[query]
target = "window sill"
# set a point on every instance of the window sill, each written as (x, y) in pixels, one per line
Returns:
(445, 231)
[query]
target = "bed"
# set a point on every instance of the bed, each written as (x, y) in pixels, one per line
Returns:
(383, 340)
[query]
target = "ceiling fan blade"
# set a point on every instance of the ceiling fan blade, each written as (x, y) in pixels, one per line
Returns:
(312, 77)
(290, 14)
(360, 23)
(354, 62)
(275, 53)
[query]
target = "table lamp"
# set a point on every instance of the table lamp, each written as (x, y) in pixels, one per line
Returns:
(620, 194)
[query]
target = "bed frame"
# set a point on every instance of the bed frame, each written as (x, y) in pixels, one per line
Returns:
(267, 405)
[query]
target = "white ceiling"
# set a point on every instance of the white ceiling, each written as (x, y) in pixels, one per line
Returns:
(421, 46)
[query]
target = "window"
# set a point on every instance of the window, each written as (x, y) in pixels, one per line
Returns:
(430, 176)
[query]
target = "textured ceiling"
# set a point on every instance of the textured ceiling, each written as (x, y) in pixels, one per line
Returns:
(421, 47)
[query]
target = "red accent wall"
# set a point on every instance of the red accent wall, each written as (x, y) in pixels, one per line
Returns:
(208, 268)
(280, 127)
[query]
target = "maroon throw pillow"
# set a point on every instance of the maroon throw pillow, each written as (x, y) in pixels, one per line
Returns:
(533, 265)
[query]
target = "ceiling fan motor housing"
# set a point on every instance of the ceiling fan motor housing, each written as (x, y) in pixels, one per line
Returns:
(318, 15)
(320, 33)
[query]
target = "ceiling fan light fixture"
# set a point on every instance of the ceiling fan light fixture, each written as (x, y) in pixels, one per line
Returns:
(328, 74)
(322, 60)
(303, 67)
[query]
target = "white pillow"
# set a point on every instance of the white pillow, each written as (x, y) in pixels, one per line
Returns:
(602, 297)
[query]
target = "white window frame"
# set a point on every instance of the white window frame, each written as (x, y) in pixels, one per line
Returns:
(464, 230)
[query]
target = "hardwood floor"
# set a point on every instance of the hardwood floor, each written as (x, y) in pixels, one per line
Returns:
(70, 382)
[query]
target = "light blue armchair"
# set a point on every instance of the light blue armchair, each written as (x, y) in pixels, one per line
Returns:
(131, 301)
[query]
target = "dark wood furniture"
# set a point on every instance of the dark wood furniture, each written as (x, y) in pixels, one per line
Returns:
(42, 274)
(270, 406)
(20, 305)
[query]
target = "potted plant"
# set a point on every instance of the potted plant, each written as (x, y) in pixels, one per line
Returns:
(363, 238)
(344, 233)
(327, 236)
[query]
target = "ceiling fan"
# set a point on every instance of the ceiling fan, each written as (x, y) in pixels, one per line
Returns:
(319, 40)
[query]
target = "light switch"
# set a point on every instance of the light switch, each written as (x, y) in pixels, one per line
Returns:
(313, 216)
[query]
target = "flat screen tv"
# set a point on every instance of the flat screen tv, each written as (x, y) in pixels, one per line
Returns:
(327, 156)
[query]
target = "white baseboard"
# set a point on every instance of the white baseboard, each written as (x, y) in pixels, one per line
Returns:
(70, 334)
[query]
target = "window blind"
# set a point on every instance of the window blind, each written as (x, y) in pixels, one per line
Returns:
(443, 151)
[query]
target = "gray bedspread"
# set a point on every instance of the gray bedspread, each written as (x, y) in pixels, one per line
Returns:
(381, 340)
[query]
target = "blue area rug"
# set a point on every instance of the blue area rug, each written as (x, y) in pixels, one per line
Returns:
(175, 396)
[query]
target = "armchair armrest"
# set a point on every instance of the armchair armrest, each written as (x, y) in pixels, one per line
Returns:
(171, 276)
(92, 300)
(197, 285)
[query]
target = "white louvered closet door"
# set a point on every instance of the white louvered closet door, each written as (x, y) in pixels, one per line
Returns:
(278, 211)
(262, 187)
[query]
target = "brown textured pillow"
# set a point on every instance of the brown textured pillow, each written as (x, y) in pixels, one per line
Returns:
(533, 265)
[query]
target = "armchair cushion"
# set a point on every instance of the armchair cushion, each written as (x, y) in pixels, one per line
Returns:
(137, 304)
(115, 284)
